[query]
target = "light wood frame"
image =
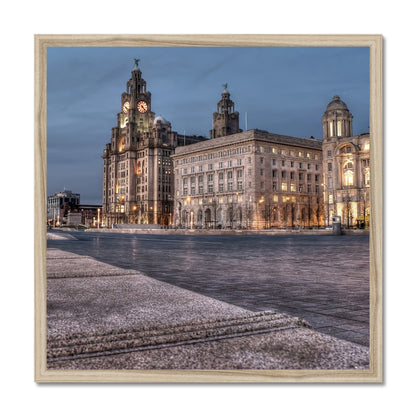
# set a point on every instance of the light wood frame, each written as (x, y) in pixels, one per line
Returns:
(375, 371)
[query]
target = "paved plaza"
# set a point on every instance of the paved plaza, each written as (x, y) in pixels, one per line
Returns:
(321, 279)
(100, 316)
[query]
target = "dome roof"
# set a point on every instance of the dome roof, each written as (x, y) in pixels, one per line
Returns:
(336, 104)
(161, 119)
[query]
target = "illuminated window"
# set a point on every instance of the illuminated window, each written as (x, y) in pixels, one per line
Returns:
(284, 186)
(292, 187)
(367, 177)
(349, 178)
(331, 129)
(339, 128)
(330, 199)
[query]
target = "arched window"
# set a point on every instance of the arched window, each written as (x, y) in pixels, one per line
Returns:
(348, 173)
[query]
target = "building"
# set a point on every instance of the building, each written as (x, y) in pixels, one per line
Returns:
(138, 172)
(64, 208)
(59, 205)
(346, 167)
(251, 179)
(90, 215)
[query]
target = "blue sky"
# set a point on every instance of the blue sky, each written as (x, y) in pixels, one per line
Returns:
(282, 90)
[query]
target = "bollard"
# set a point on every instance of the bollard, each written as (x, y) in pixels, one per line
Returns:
(336, 225)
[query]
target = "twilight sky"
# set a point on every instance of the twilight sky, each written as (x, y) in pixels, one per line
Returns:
(282, 90)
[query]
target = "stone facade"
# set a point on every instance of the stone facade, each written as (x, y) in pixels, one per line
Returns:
(346, 167)
(138, 174)
(253, 179)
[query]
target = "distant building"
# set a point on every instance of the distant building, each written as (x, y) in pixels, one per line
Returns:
(64, 208)
(59, 204)
(91, 215)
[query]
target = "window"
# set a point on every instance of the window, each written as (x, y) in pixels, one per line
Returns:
(284, 186)
(329, 167)
(210, 188)
(274, 162)
(261, 172)
(221, 187)
(330, 198)
(230, 163)
(283, 162)
(292, 187)
(239, 174)
(292, 164)
(230, 174)
(230, 186)
(262, 160)
(221, 176)
(274, 186)
(329, 153)
(339, 128)
(210, 177)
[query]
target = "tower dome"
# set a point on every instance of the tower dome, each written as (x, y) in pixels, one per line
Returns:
(336, 104)
(337, 119)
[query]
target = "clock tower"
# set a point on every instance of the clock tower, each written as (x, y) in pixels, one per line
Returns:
(138, 173)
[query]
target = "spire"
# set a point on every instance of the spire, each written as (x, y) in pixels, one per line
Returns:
(136, 64)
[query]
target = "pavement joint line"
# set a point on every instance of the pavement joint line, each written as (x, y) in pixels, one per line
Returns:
(108, 352)
(188, 331)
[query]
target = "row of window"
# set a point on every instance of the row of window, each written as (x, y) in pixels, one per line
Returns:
(240, 150)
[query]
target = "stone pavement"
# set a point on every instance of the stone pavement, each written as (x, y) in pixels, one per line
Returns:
(104, 317)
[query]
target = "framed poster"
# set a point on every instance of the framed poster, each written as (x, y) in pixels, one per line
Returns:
(224, 216)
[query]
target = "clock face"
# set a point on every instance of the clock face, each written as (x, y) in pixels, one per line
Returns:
(142, 106)
(126, 107)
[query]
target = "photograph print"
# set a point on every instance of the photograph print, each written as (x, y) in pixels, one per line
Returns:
(210, 207)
